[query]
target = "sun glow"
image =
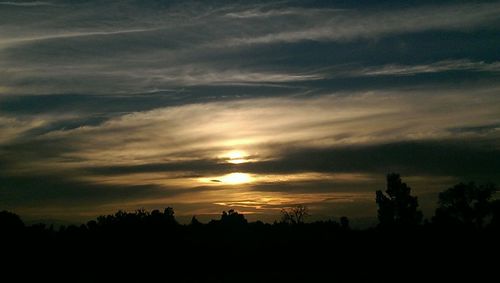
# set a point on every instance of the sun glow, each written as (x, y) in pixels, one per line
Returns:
(236, 178)
(236, 157)
(229, 179)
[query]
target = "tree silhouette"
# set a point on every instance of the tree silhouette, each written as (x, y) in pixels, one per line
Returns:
(397, 207)
(344, 223)
(495, 214)
(10, 222)
(294, 215)
(195, 222)
(465, 204)
(232, 218)
(123, 221)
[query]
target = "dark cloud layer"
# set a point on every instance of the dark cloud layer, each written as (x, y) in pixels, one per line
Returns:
(460, 159)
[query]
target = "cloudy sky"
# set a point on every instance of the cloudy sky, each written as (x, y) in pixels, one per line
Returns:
(252, 105)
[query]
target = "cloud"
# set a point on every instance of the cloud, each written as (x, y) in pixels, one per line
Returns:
(69, 35)
(316, 169)
(62, 196)
(191, 138)
(12, 127)
(437, 67)
(27, 4)
(106, 81)
(200, 75)
(261, 12)
(353, 25)
(130, 47)
(429, 158)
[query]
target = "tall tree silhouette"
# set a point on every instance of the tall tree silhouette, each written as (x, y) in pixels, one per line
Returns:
(465, 204)
(397, 207)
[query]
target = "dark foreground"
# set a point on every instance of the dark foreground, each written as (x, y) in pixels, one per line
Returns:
(460, 243)
(164, 251)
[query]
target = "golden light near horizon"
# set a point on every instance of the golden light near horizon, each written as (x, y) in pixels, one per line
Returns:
(236, 178)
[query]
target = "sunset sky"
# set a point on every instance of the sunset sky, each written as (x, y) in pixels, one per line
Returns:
(249, 105)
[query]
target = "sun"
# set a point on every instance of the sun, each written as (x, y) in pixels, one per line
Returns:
(236, 178)
(236, 154)
(236, 157)
(229, 179)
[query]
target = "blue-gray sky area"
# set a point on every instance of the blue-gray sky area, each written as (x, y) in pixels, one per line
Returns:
(251, 105)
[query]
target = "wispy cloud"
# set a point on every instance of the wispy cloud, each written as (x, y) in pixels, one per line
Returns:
(261, 126)
(352, 25)
(261, 12)
(27, 4)
(15, 41)
(441, 66)
(135, 49)
(201, 75)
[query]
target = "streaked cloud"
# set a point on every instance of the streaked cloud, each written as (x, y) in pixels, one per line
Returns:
(127, 47)
(183, 147)
(16, 41)
(200, 75)
(353, 25)
(12, 127)
(262, 12)
(441, 66)
(26, 4)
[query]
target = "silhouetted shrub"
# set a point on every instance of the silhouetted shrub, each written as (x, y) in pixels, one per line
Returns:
(344, 223)
(467, 205)
(232, 218)
(10, 223)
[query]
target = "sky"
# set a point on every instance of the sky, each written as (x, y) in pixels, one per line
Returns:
(255, 106)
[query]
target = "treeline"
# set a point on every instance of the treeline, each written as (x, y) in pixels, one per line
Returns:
(463, 206)
(142, 246)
